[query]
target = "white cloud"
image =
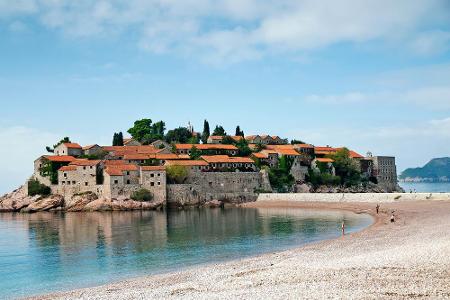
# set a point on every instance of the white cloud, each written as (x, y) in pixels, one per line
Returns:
(430, 43)
(235, 30)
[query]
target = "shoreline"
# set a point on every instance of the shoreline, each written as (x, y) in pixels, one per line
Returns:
(406, 259)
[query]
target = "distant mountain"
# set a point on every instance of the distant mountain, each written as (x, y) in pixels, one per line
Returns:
(438, 169)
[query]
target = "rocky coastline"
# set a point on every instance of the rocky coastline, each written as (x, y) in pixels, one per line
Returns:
(19, 201)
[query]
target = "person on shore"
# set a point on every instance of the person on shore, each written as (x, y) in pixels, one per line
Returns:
(343, 228)
(378, 208)
(392, 218)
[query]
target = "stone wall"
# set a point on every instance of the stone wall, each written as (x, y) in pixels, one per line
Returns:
(359, 197)
(229, 187)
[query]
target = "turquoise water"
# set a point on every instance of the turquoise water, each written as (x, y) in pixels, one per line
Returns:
(421, 187)
(46, 252)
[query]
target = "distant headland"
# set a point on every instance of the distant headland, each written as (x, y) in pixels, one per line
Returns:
(436, 170)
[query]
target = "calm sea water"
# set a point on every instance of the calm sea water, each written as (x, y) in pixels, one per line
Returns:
(45, 252)
(420, 187)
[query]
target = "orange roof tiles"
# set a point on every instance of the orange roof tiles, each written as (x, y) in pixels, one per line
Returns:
(138, 156)
(152, 168)
(60, 158)
(117, 170)
(85, 162)
(72, 145)
(226, 159)
(325, 160)
(186, 162)
(90, 147)
(290, 152)
(116, 162)
(68, 168)
(205, 147)
(309, 146)
(260, 155)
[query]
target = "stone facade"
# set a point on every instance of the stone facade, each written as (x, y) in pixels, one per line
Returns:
(72, 149)
(385, 171)
(231, 187)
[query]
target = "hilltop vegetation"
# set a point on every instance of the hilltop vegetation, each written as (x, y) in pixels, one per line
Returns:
(437, 169)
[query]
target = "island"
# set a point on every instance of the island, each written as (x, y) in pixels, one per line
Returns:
(181, 167)
(436, 170)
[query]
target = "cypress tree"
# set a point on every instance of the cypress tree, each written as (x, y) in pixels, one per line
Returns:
(206, 132)
(239, 132)
(120, 139)
(114, 141)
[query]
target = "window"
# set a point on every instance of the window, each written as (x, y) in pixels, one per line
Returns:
(68, 182)
(159, 174)
(86, 184)
(65, 175)
(152, 175)
(63, 182)
(84, 168)
(73, 182)
(128, 172)
(90, 167)
(159, 183)
(152, 184)
(116, 181)
(128, 181)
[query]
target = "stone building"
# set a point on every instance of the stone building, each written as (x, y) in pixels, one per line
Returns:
(385, 171)
(265, 140)
(217, 139)
(131, 142)
(224, 162)
(93, 150)
(72, 149)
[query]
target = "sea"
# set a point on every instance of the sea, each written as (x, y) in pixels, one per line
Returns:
(426, 187)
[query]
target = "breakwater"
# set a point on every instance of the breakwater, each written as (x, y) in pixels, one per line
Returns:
(357, 197)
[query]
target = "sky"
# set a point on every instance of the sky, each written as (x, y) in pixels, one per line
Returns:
(371, 75)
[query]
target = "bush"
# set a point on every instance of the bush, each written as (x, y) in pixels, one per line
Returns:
(37, 188)
(176, 174)
(142, 195)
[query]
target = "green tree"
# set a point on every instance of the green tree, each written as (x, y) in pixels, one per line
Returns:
(239, 132)
(176, 174)
(195, 153)
(140, 129)
(142, 195)
(219, 131)
(346, 167)
(294, 141)
(120, 139)
(194, 140)
(280, 177)
(243, 148)
(36, 188)
(206, 133)
(228, 140)
(178, 135)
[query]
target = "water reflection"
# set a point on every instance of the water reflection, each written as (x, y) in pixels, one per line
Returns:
(54, 251)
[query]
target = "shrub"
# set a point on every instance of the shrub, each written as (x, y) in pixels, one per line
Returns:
(142, 195)
(176, 174)
(37, 188)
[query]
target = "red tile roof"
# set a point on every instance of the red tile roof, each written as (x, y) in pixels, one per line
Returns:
(68, 168)
(117, 170)
(60, 158)
(205, 147)
(85, 162)
(304, 146)
(260, 155)
(72, 145)
(226, 159)
(90, 147)
(116, 162)
(325, 160)
(152, 168)
(186, 162)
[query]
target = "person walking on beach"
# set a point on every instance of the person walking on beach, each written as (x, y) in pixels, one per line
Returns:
(343, 228)
(378, 208)
(392, 217)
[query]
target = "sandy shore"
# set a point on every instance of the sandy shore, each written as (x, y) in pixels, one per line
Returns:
(407, 259)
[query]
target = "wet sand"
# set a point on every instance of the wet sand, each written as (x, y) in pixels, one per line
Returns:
(406, 259)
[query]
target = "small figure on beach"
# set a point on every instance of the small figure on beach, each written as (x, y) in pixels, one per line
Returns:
(392, 218)
(343, 227)
(378, 208)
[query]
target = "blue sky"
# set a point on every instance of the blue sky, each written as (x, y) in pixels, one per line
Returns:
(370, 75)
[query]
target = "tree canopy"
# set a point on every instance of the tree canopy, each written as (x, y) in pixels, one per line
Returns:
(176, 174)
(346, 167)
(219, 131)
(280, 177)
(195, 153)
(178, 135)
(294, 141)
(145, 132)
(117, 139)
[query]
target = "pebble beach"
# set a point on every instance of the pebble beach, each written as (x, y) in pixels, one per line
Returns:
(407, 259)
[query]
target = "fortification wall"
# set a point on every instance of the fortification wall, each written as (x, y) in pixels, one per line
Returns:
(230, 187)
(358, 197)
